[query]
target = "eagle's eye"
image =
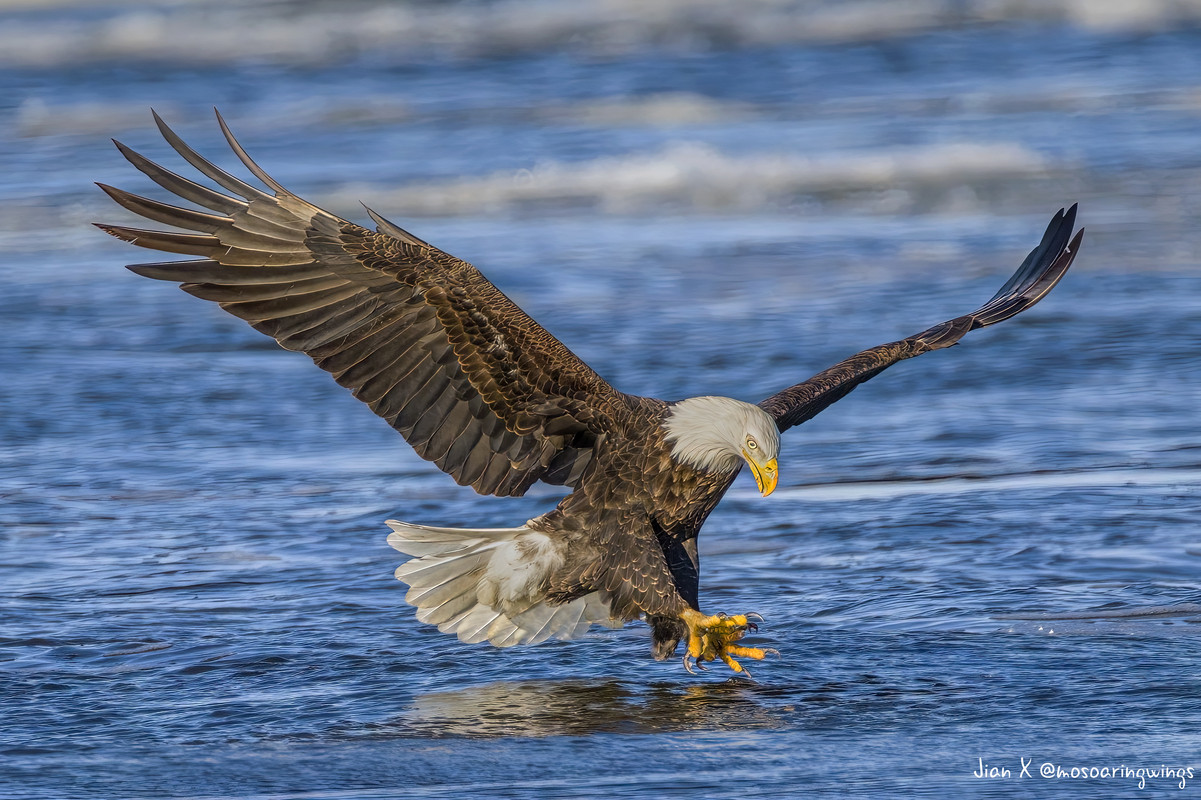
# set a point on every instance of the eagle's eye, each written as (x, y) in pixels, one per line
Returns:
(751, 444)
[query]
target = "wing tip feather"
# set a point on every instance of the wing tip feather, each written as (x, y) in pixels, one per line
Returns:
(1038, 274)
(390, 228)
(115, 231)
(245, 158)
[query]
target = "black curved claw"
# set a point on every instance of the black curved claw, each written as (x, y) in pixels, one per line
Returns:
(755, 614)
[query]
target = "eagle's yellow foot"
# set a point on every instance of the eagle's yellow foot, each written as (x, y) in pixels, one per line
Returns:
(712, 638)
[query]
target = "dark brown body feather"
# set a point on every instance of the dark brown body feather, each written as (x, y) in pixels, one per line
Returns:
(478, 387)
(636, 501)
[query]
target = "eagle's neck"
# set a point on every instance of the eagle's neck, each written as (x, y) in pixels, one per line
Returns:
(707, 432)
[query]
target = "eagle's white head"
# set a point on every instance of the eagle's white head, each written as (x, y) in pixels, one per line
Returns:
(716, 434)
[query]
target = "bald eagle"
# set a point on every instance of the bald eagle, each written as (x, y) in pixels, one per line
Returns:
(478, 387)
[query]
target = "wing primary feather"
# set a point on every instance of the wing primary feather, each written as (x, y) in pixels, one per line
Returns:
(344, 325)
(301, 331)
(366, 342)
(166, 214)
(246, 159)
(208, 168)
(387, 322)
(394, 360)
(210, 271)
(391, 392)
(1053, 241)
(179, 185)
(393, 385)
(392, 229)
(187, 244)
(1037, 290)
(257, 310)
(243, 257)
(241, 293)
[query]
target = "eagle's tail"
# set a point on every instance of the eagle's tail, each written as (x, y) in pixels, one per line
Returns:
(489, 584)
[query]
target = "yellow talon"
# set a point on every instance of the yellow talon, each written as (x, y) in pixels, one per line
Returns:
(712, 637)
(750, 652)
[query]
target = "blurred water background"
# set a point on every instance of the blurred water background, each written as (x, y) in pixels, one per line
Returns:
(989, 554)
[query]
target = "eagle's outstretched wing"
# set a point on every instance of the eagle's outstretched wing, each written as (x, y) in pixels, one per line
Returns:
(465, 376)
(1038, 274)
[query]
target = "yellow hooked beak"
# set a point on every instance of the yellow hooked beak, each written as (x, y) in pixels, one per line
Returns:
(765, 475)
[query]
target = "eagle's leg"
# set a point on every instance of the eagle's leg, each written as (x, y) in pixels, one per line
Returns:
(713, 637)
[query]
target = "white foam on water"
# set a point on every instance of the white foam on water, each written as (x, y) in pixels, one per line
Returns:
(683, 179)
(696, 176)
(35, 117)
(667, 109)
(224, 31)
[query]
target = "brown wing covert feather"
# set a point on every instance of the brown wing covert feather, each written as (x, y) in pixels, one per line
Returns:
(423, 338)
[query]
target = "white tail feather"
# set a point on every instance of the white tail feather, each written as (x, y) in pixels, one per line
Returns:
(487, 584)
